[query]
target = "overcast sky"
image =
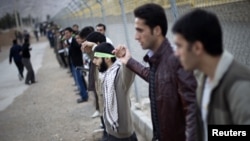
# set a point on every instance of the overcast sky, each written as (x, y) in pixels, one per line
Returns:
(35, 8)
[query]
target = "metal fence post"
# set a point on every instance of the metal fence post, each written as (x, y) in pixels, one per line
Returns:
(91, 13)
(19, 16)
(16, 17)
(124, 18)
(103, 12)
(70, 19)
(174, 9)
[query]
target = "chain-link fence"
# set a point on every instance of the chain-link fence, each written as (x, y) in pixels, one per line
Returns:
(117, 15)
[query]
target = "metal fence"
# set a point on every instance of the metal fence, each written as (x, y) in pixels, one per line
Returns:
(117, 15)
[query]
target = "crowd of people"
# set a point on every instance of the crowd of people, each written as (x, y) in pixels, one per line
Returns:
(190, 88)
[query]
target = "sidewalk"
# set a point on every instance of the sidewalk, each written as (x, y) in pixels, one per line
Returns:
(141, 118)
(47, 110)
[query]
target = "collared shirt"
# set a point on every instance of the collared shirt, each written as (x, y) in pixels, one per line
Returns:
(222, 67)
(70, 40)
(150, 53)
(108, 40)
(205, 101)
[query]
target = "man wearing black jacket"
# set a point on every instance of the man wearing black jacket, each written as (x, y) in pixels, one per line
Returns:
(30, 77)
(75, 55)
(15, 54)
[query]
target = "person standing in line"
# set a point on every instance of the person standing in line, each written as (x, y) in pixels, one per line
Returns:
(61, 49)
(102, 29)
(15, 53)
(75, 55)
(79, 41)
(30, 77)
(92, 40)
(223, 93)
(116, 83)
(75, 28)
(83, 35)
(50, 36)
(171, 88)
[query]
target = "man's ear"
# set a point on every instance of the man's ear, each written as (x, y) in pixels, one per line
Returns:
(198, 48)
(157, 30)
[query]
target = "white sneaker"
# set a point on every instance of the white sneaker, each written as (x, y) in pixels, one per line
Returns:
(96, 114)
(98, 130)
(101, 126)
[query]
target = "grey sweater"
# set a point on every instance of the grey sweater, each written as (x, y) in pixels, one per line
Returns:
(123, 82)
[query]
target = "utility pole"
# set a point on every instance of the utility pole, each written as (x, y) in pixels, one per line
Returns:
(16, 17)
(19, 17)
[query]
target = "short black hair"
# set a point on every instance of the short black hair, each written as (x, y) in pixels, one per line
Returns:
(105, 48)
(154, 15)
(68, 29)
(86, 31)
(203, 26)
(102, 25)
(96, 37)
(14, 41)
(76, 25)
(26, 40)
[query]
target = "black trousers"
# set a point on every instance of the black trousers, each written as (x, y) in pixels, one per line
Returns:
(91, 86)
(105, 134)
(30, 77)
(19, 66)
(91, 77)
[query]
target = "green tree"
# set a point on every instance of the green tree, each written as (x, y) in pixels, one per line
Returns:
(7, 21)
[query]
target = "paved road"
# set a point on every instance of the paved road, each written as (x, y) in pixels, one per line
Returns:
(10, 86)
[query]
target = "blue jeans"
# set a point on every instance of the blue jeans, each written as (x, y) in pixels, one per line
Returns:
(80, 83)
(74, 76)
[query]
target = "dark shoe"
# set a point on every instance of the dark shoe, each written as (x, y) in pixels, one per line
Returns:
(80, 100)
(20, 77)
(27, 83)
(33, 82)
(104, 137)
